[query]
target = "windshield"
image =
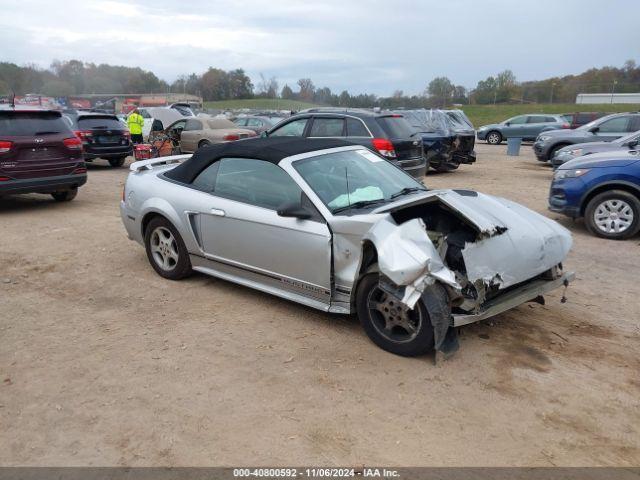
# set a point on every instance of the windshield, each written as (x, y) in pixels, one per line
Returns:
(355, 178)
(594, 123)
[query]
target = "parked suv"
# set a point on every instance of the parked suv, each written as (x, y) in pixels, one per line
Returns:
(447, 138)
(526, 127)
(103, 136)
(387, 134)
(39, 154)
(604, 188)
(604, 129)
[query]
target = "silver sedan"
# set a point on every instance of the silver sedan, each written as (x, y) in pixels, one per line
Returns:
(334, 226)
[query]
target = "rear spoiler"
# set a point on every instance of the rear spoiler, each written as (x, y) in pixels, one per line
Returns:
(153, 162)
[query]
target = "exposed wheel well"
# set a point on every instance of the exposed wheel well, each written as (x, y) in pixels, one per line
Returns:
(203, 142)
(147, 218)
(606, 187)
(369, 257)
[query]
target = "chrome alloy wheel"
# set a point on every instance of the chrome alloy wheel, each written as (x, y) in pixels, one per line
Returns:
(613, 216)
(164, 248)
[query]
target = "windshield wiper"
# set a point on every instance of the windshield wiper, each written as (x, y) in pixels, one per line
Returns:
(406, 190)
(360, 204)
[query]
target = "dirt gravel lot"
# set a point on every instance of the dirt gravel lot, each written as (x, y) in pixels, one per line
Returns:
(102, 362)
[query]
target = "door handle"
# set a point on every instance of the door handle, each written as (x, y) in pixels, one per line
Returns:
(217, 212)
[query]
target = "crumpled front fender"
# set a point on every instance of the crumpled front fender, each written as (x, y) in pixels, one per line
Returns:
(408, 258)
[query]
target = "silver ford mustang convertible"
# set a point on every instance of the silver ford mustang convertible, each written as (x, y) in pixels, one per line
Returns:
(336, 227)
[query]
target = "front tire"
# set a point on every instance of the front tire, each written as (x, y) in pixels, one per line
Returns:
(65, 196)
(166, 250)
(117, 162)
(494, 138)
(614, 214)
(403, 332)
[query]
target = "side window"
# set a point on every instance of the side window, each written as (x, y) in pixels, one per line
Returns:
(537, 119)
(518, 120)
(255, 182)
(241, 122)
(553, 119)
(634, 124)
(193, 125)
(291, 129)
(206, 179)
(327, 127)
(615, 125)
(178, 125)
(355, 128)
(254, 122)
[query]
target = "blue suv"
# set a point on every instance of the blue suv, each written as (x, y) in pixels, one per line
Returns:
(604, 188)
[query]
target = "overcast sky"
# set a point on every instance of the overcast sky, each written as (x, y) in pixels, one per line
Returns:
(358, 45)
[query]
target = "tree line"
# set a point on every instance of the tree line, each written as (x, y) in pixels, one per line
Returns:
(73, 77)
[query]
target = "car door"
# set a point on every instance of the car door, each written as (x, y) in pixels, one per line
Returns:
(612, 128)
(191, 135)
(241, 229)
(175, 130)
(515, 127)
(535, 124)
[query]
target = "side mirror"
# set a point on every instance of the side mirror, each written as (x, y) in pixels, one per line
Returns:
(507, 124)
(595, 130)
(295, 210)
(633, 143)
(264, 134)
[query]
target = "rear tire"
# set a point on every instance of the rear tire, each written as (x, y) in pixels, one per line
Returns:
(65, 196)
(166, 250)
(614, 214)
(117, 162)
(403, 333)
(494, 138)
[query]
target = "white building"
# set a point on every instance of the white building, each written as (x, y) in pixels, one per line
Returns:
(608, 98)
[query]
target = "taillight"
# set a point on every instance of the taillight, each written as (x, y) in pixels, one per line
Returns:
(73, 143)
(231, 137)
(79, 171)
(4, 179)
(5, 146)
(83, 134)
(384, 147)
(566, 125)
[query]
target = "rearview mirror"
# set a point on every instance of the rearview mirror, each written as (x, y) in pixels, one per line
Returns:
(295, 210)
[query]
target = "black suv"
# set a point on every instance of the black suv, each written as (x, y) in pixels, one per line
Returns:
(103, 136)
(39, 154)
(387, 134)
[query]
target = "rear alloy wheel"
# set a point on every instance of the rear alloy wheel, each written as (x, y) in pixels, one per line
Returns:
(117, 162)
(166, 250)
(65, 196)
(494, 138)
(614, 214)
(390, 324)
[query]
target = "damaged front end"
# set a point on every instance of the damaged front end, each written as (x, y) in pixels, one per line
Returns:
(490, 254)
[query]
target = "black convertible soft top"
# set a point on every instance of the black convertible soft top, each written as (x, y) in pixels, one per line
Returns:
(269, 149)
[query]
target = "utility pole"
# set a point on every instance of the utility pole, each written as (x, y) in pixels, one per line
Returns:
(553, 84)
(495, 96)
(613, 89)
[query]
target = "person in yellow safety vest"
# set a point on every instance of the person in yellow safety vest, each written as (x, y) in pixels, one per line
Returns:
(135, 121)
